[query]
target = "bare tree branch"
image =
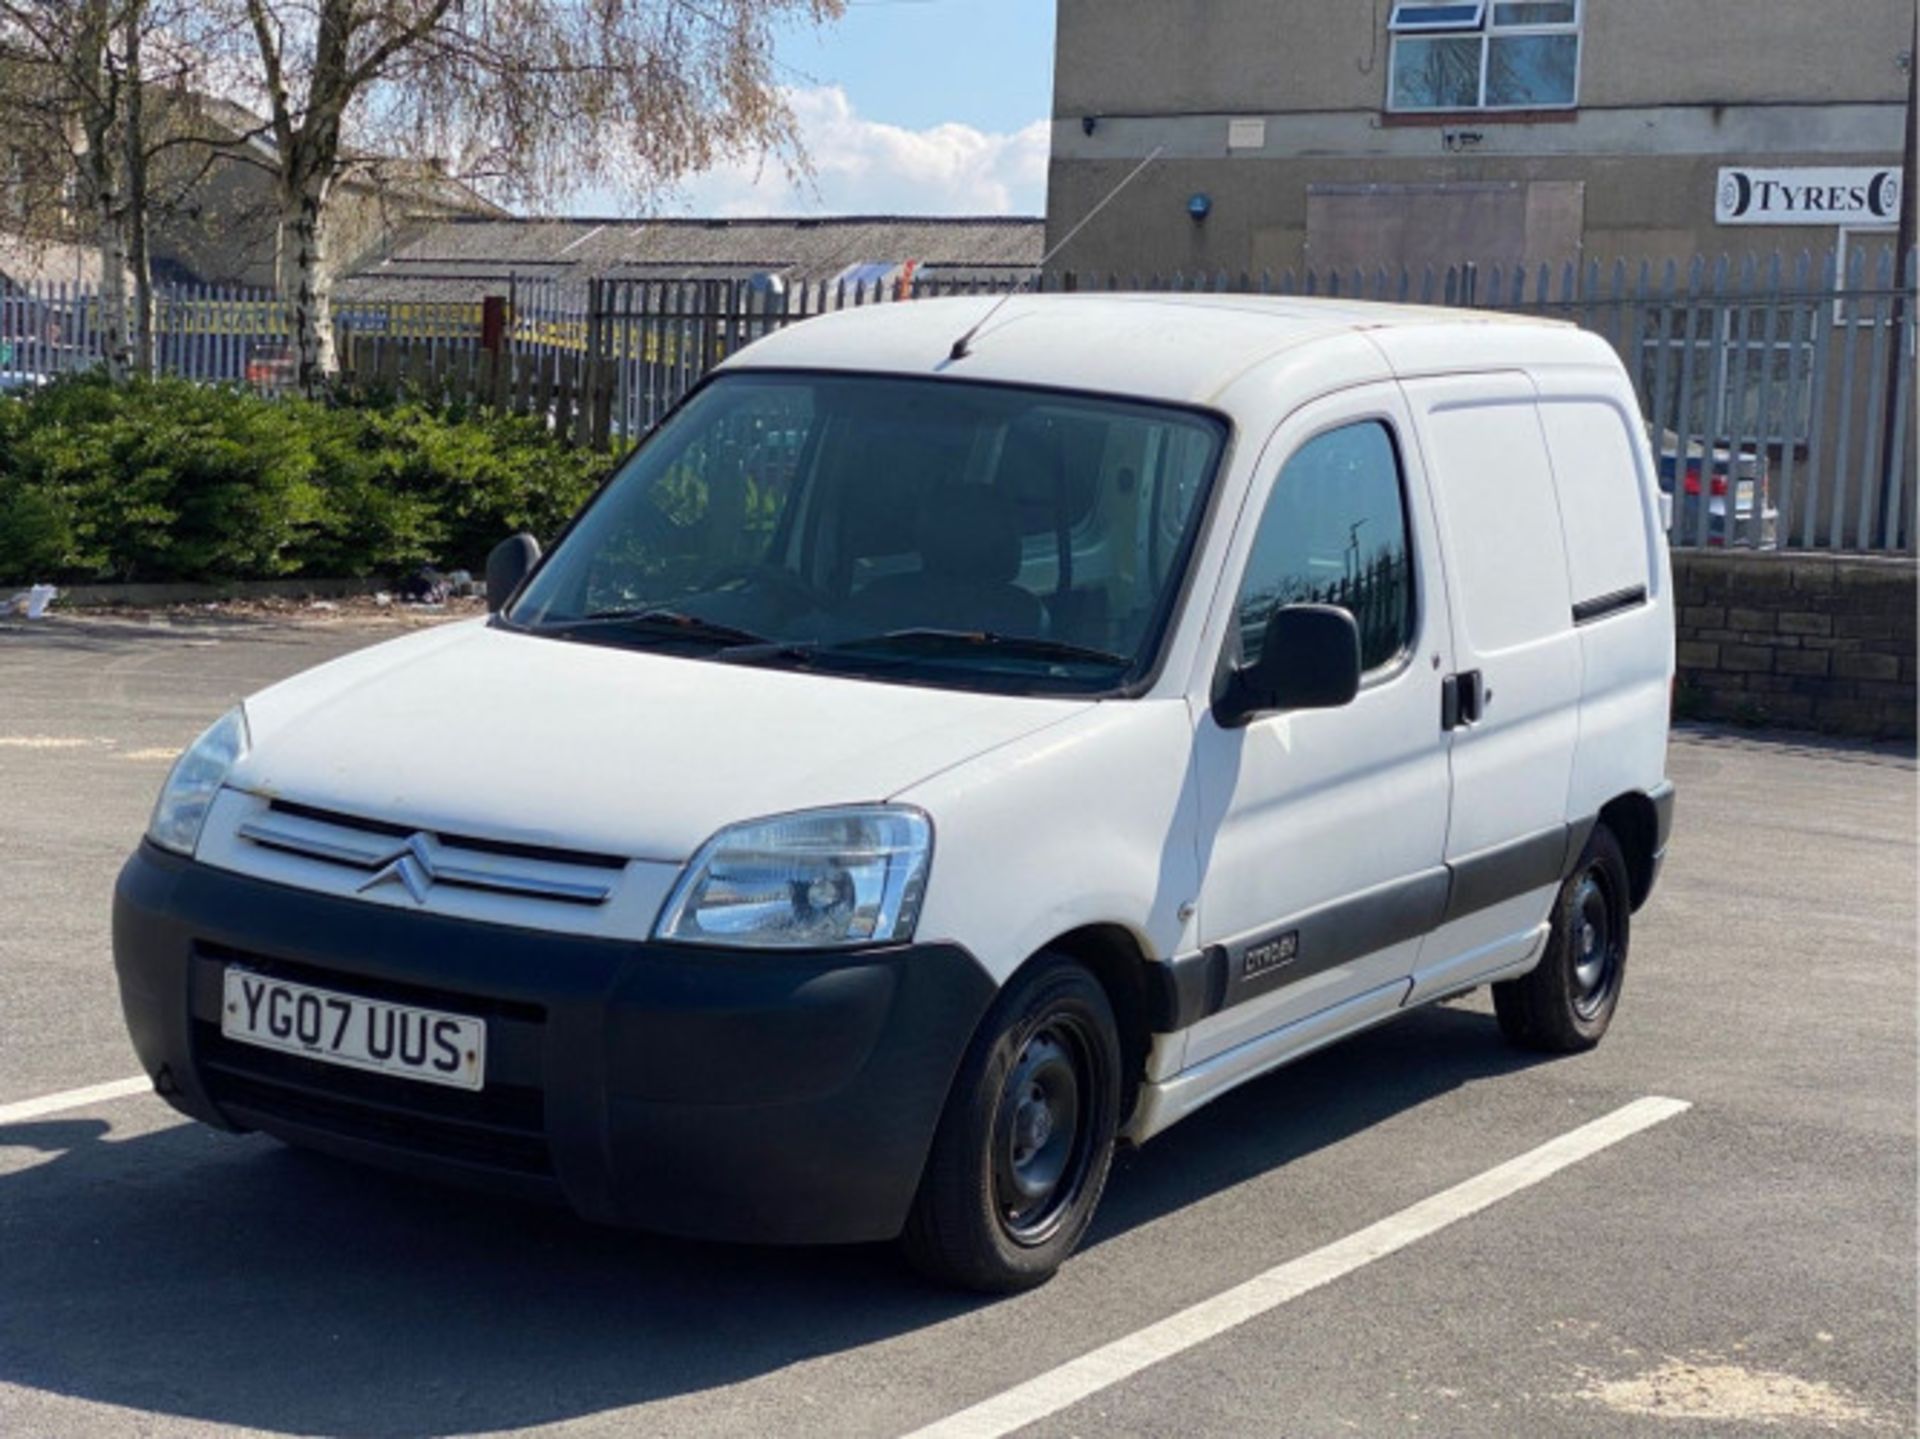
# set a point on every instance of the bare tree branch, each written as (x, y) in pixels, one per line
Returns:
(533, 97)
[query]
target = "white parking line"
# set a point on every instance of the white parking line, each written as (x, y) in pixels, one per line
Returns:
(73, 1099)
(1073, 1381)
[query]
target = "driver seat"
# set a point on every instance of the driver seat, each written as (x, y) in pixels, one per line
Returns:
(969, 537)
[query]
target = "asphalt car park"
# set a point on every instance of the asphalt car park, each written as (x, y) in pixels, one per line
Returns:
(1343, 1247)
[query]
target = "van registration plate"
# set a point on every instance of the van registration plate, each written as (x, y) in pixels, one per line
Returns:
(347, 1029)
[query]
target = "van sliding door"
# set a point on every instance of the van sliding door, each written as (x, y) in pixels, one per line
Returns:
(1510, 704)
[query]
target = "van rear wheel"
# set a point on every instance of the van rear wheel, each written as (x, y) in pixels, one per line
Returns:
(1025, 1142)
(1566, 1002)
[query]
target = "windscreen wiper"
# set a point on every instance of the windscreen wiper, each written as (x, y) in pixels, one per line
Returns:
(910, 641)
(803, 653)
(668, 623)
(1027, 646)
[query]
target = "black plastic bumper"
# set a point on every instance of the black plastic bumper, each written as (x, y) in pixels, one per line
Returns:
(765, 1097)
(1662, 796)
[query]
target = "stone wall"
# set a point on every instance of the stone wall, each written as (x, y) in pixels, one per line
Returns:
(1801, 641)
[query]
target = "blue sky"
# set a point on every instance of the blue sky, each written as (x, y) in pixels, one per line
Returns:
(917, 63)
(924, 107)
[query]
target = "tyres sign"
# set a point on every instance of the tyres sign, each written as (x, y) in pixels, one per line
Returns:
(1830, 195)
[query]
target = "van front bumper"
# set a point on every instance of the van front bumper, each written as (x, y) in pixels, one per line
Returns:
(783, 1098)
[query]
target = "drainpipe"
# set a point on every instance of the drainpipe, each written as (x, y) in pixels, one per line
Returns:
(1903, 277)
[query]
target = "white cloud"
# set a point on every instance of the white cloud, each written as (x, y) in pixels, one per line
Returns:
(862, 166)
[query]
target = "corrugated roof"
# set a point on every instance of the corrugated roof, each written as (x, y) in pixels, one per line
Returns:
(462, 257)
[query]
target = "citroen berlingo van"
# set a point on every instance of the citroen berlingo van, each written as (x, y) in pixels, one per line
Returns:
(930, 761)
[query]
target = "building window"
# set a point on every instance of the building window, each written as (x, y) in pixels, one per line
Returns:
(1484, 55)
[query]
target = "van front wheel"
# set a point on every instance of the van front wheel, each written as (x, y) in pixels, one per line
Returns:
(1566, 1002)
(1025, 1142)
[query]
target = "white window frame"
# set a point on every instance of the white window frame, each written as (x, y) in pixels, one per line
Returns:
(1406, 16)
(1403, 26)
(1845, 238)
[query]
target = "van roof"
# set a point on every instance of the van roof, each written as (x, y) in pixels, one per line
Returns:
(1186, 348)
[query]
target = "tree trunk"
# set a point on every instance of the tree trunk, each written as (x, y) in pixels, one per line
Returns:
(139, 252)
(114, 349)
(111, 234)
(306, 281)
(95, 82)
(140, 264)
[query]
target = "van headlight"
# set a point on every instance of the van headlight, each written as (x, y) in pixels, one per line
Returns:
(820, 879)
(194, 780)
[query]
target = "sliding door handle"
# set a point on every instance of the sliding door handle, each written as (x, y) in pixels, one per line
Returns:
(1463, 699)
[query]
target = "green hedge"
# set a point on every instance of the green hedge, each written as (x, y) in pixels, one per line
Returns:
(166, 480)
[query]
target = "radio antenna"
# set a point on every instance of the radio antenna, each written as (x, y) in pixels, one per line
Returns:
(962, 346)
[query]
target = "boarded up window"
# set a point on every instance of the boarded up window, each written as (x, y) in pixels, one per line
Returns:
(1537, 222)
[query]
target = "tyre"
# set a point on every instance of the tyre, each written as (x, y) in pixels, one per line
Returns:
(1565, 1004)
(1024, 1145)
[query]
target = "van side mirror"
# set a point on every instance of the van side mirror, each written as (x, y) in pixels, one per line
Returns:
(1309, 660)
(510, 563)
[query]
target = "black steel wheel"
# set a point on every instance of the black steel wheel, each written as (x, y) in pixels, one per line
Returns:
(1566, 1003)
(1027, 1137)
(1598, 957)
(1043, 1154)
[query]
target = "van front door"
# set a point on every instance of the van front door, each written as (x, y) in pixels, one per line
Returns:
(1323, 830)
(1511, 701)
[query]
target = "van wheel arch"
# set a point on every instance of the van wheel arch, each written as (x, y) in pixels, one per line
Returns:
(1115, 957)
(1636, 826)
(1026, 1138)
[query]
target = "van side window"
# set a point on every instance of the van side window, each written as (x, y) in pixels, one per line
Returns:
(1335, 533)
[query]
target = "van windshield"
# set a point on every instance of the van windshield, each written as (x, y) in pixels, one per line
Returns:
(931, 531)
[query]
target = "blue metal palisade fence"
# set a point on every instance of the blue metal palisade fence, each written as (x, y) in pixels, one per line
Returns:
(1779, 391)
(224, 335)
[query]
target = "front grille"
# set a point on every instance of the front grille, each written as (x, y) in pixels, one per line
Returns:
(501, 1127)
(420, 859)
(549, 854)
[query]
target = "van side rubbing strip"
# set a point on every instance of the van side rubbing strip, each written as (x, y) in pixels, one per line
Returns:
(1578, 833)
(1585, 612)
(1186, 989)
(1492, 876)
(1190, 987)
(1277, 955)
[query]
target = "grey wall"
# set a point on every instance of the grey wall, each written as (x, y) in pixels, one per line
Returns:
(1670, 92)
(1179, 57)
(1636, 207)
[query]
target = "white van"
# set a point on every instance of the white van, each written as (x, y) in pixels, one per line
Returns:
(926, 764)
